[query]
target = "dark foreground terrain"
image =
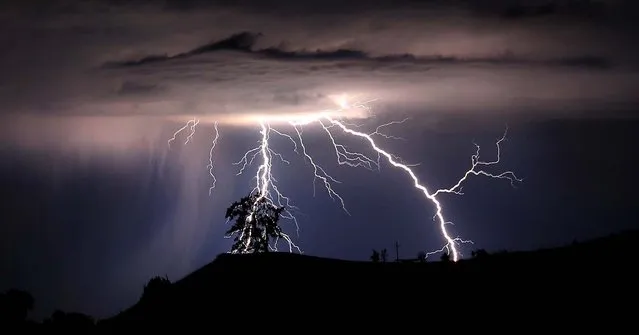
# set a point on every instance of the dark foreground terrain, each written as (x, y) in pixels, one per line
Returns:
(576, 285)
(598, 277)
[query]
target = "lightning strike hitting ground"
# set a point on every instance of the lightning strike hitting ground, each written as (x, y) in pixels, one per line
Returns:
(266, 183)
(451, 242)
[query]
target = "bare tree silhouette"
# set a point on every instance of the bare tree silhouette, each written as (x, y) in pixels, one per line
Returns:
(256, 223)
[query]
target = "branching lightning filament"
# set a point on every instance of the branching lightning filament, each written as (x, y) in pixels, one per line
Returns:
(266, 184)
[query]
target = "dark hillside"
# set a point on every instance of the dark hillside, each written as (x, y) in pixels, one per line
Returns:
(591, 276)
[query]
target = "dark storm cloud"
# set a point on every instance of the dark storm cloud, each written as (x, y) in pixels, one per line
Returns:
(129, 87)
(244, 42)
(408, 50)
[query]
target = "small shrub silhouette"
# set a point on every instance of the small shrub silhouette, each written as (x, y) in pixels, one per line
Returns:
(479, 254)
(156, 289)
(375, 256)
(15, 305)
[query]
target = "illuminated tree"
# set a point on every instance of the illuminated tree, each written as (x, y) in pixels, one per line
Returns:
(256, 223)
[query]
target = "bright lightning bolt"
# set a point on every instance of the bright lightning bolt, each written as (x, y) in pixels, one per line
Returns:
(210, 165)
(476, 170)
(192, 124)
(451, 242)
(266, 183)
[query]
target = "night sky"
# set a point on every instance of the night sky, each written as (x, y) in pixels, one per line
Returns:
(95, 204)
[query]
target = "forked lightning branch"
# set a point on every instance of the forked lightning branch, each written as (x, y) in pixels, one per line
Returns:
(332, 122)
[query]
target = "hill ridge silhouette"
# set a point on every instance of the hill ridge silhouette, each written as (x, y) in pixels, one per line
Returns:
(572, 275)
(572, 284)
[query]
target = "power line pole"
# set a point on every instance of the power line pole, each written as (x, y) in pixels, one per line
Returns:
(396, 251)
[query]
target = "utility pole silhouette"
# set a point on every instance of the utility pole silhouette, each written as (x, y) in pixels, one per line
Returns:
(396, 251)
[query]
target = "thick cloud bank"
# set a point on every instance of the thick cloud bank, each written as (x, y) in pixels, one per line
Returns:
(183, 58)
